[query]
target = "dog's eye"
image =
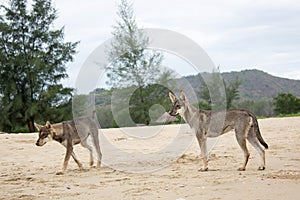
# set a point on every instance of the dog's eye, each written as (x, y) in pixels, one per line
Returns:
(44, 135)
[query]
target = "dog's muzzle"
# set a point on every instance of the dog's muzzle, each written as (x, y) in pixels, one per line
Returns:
(172, 113)
(38, 143)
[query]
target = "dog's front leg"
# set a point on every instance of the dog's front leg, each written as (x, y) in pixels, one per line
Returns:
(69, 150)
(202, 143)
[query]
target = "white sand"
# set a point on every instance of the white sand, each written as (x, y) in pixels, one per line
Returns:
(29, 172)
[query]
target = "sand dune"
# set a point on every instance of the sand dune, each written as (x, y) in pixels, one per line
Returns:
(166, 171)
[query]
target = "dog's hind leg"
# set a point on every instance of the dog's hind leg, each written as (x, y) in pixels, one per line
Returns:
(241, 139)
(255, 143)
(85, 144)
(97, 146)
(202, 143)
(76, 160)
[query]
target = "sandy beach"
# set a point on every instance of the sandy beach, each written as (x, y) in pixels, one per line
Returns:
(29, 172)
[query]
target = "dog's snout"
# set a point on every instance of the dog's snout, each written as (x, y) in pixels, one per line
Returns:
(38, 143)
(171, 112)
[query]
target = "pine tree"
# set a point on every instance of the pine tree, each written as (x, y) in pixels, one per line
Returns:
(33, 57)
(130, 62)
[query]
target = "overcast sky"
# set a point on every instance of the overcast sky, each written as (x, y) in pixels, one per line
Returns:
(236, 34)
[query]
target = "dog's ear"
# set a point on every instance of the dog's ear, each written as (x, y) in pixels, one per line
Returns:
(37, 126)
(182, 96)
(172, 97)
(48, 125)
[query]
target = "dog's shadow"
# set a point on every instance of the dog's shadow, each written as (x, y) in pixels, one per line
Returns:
(93, 169)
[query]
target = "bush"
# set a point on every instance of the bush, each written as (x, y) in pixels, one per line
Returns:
(286, 103)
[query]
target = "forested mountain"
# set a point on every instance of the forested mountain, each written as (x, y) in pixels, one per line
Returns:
(255, 84)
(256, 92)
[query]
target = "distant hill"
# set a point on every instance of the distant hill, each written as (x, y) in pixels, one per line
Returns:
(256, 92)
(256, 84)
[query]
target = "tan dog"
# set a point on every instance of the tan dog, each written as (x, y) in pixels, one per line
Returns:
(66, 133)
(205, 123)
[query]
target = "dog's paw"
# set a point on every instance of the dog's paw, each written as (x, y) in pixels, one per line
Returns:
(98, 165)
(203, 169)
(59, 173)
(91, 163)
(241, 169)
(81, 168)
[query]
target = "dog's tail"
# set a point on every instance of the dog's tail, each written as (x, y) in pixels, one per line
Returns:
(257, 131)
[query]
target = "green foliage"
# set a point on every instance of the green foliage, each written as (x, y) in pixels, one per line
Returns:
(286, 103)
(32, 63)
(262, 108)
(102, 96)
(156, 102)
(130, 61)
(232, 91)
(131, 64)
(217, 93)
(204, 105)
(289, 115)
(105, 117)
(81, 105)
(256, 85)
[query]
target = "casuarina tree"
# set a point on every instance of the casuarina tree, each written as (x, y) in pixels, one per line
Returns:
(131, 64)
(33, 58)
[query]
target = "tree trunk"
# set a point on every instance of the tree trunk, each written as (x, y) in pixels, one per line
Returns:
(143, 106)
(30, 124)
